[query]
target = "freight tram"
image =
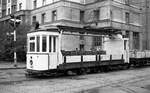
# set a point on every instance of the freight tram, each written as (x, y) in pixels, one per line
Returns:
(60, 49)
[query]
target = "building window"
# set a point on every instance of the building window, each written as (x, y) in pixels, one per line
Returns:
(81, 36)
(127, 2)
(54, 15)
(20, 6)
(13, 9)
(81, 47)
(43, 18)
(127, 34)
(97, 40)
(8, 11)
(33, 19)
(34, 4)
(44, 2)
(8, 1)
(82, 16)
(96, 15)
(136, 40)
(127, 17)
(3, 13)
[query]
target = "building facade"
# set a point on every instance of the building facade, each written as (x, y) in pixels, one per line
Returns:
(17, 8)
(146, 23)
(0, 8)
(3, 7)
(114, 15)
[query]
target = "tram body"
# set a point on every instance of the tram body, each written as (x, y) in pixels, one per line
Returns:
(40, 56)
(52, 50)
(139, 58)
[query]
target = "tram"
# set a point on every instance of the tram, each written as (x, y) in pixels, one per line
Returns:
(61, 49)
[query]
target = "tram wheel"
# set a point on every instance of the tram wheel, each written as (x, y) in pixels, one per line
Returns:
(81, 71)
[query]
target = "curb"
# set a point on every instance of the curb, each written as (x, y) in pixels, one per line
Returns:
(12, 68)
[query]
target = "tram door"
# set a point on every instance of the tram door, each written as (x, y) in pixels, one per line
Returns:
(126, 50)
(53, 51)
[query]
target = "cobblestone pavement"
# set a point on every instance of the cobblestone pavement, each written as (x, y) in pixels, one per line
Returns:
(125, 81)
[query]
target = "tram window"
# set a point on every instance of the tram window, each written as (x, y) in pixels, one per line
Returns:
(44, 44)
(32, 38)
(50, 49)
(54, 44)
(125, 42)
(38, 43)
(32, 46)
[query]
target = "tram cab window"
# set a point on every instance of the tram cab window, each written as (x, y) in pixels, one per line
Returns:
(44, 44)
(32, 47)
(32, 38)
(50, 47)
(54, 44)
(38, 43)
(32, 44)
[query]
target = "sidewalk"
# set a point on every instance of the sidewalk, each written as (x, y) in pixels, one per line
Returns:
(10, 65)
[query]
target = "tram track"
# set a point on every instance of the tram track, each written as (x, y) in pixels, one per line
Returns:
(89, 81)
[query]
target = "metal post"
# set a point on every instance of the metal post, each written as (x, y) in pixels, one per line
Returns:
(15, 54)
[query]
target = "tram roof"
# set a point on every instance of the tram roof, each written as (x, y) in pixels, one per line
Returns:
(102, 31)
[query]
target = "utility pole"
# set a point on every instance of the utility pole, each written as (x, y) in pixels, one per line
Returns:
(15, 54)
(15, 24)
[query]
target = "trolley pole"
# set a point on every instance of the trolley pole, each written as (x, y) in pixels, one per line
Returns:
(15, 54)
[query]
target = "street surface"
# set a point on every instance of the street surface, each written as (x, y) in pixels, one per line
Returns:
(123, 81)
